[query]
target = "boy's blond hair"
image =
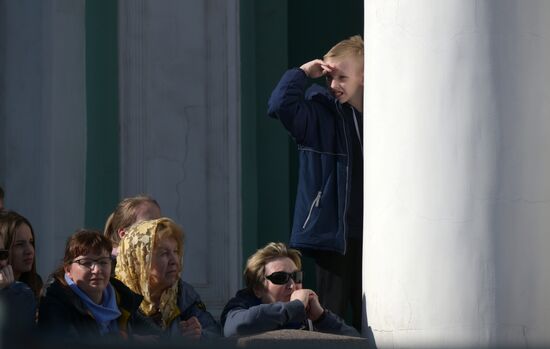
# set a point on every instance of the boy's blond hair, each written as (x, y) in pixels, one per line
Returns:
(348, 47)
(254, 272)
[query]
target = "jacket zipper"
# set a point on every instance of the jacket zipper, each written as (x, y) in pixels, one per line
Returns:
(315, 203)
(338, 108)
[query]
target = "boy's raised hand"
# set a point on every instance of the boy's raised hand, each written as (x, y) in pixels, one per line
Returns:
(316, 68)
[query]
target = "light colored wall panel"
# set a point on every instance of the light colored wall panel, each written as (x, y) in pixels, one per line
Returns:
(44, 120)
(180, 127)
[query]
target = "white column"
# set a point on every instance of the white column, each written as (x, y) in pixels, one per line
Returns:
(457, 172)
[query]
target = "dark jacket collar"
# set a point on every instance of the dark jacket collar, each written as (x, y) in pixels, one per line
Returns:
(57, 288)
(244, 298)
(126, 299)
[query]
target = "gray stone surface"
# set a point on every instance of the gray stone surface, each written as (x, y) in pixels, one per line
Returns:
(300, 338)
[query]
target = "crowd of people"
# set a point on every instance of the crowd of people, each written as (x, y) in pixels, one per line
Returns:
(126, 281)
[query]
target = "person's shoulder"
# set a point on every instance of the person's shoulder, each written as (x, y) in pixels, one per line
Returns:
(244, 298)
(121, 287)
(319, 92)
(186, 287)
(187, 295)
(54, 286)
(127, 298)
(321, 95)
(247, 294)
(18, 290)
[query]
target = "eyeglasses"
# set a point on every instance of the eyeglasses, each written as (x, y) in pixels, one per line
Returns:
(281, 277)
(87, 263)
(4, 255)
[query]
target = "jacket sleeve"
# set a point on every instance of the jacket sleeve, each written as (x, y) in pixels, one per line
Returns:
(54, 319)
(288, 104)
(331, 323)
(264, 317)
(195, 307)
(19, 309)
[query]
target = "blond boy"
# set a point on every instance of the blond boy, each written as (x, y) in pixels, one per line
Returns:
(326, 123)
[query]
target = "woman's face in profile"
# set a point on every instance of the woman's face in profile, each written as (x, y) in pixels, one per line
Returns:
(165, 264)
(22, 250)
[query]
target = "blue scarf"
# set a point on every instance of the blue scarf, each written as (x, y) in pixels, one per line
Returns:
(106, 313)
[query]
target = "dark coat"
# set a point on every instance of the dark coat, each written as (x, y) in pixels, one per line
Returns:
(18, 313)
(322, 128)
(245, 314)
(189, 305)
(62, 313)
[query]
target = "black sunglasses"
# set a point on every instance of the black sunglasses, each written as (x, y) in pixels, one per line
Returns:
(4, 255)
(281, 277)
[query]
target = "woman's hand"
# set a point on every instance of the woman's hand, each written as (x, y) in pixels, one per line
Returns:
(191, 327)
(315, 310)
(6, 276)
(302, 295)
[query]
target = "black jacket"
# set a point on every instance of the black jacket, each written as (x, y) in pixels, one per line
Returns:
(63, 314)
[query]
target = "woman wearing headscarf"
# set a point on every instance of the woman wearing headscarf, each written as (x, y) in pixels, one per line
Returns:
(150, 262)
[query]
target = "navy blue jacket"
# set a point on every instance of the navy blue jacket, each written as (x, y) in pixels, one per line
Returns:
(323, 130)
(18, 313)
(245, 314)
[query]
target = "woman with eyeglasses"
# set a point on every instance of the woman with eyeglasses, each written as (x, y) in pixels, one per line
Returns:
(17, 236)
(81, 300)
(274, 298)
(150, 262)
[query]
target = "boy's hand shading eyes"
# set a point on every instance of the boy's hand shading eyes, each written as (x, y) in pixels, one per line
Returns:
(315, 69)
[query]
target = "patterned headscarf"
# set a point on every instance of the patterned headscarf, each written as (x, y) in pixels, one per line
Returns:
(133, 265)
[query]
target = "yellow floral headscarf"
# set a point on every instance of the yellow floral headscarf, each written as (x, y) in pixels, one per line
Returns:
(133, 265)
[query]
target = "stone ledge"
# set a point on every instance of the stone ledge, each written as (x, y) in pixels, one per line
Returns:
(301, 338)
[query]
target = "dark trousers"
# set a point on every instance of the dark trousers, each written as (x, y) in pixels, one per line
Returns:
(339, 281)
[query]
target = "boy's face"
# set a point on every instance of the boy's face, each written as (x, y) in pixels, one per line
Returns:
(346, 79)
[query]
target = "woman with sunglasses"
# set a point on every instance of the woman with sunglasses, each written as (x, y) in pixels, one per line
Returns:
(274, 298)
(81, 300)
(150, 263)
